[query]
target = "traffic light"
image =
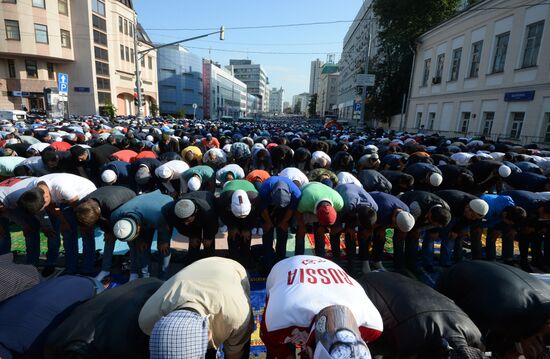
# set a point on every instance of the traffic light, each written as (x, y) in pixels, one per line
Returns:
(222, 33)
(142, 99)
(136, 102)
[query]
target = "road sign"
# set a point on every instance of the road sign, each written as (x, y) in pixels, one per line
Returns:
(365, 80)
(357, 107)
(194, 106)
(63, 83)
(17, 93)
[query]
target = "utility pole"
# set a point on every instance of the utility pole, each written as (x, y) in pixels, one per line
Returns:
(139, 112)
(366, 70)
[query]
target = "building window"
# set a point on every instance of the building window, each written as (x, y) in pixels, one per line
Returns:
(431, 120)
(98, 7)
(533, 38)
(41, 33)
(32, 68)
(11, 69)
(418, 121)
(12, 30)
(99, 23)
(120, 25)
(132, 56)
(439, 70)
(427, 64)
(127, 52)
(131, 29)
(101, 68)
(39, 3)
(488, 118)
(51, 71)
(100, 38)
(150, 62)
(65, 39)
(9, 1)
(103, 97)
(547, 121)
(101, 54)
(122, 52)
(103, 84)
(465, 122)
(501, 48)
(455, 64)
(126, 26)
(143, 61)
(517, 124)
(63, 6)
(477, 47)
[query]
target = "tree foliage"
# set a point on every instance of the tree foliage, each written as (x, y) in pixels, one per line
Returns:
(298, 107)
(312, 106)
(401, 22)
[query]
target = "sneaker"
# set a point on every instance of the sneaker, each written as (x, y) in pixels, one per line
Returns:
(222, 229)
(260, 232)
(254, 231)
(378, 266)
(48, 271)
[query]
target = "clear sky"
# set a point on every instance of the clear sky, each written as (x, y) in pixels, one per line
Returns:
(162, 20)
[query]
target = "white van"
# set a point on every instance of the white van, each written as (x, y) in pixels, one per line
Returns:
(13, 115)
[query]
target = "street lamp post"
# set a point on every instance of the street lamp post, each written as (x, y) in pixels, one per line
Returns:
(140, 54)
(194, 111)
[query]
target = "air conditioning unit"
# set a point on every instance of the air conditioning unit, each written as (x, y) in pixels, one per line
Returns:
(436, 80)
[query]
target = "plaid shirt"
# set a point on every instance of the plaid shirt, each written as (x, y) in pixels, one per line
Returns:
(180, 334)
(15, 278)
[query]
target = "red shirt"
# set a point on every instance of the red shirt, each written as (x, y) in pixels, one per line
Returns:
(144, 154)
(125, 155)
(61, 146)
(213, 143)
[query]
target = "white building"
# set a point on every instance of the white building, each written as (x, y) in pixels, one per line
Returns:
(276, 101)
(223, 94)
(353, 60)
(327, 95)
(314, 73)
(303, 100)
(485, 73)
(255, 78)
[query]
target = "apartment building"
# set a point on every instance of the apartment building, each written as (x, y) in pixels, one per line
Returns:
(104, 70)
(485, 72)
(90, 40)
(36, 42)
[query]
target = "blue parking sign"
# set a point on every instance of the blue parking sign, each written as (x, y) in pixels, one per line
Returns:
(357, 107)
(63, 83)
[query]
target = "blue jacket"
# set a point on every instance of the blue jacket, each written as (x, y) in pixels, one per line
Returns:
(269, 184)
(146, 209)
(353, 196)
(122, 170)
(496, 203)
(387, 204)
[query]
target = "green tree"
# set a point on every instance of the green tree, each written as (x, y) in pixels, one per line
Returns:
(109, 109)
(181, 113)
(312, 106)
(154, 108)
(298, 107)
(401, 22)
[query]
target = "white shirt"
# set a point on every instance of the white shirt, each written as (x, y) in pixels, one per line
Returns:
(318, 155)
(65, 187)
(177, 166)
(462, 158)
(346, 177)
(295, 175)
(237, 171)
(10, 195)
(40, 146)
(299, 287)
